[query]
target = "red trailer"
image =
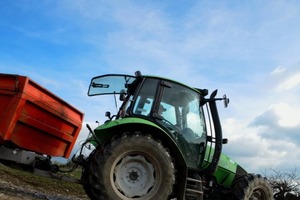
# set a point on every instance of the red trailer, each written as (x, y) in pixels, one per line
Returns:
(34, 119)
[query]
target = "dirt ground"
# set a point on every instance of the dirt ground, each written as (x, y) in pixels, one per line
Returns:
(16, 184)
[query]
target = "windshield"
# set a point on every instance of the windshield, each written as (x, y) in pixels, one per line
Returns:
(110, 84)
(179, 109)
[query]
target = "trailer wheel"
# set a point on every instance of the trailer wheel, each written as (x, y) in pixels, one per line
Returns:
(133, 167)
(252, 187)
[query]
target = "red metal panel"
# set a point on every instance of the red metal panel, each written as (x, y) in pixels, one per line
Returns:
(35, 119)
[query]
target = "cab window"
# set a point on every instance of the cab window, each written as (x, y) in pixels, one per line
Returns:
(144, 100)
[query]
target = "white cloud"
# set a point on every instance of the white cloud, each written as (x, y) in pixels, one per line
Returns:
(248, 148)
(261, 146)
(288, 116)
(278, 70)
(263, 130)
(291, 82)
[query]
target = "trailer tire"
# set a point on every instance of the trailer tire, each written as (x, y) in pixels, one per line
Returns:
(132, 167)
(252, 186)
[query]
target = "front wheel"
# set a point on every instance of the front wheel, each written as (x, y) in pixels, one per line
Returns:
(252, 187)
(133, 167)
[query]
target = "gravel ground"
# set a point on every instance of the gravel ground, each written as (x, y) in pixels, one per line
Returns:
(12, 192)
(8, 191)
(18, 185)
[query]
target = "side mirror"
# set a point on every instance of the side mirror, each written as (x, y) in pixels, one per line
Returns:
(122, 95)
(226, 101)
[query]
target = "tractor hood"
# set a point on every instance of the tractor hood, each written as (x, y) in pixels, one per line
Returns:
(226, 168)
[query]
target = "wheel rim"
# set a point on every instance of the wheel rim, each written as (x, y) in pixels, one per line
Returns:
(133, 176)
(258, 194)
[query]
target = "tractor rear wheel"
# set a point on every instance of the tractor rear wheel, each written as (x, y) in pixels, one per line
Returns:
(252, 187)
(133, 167)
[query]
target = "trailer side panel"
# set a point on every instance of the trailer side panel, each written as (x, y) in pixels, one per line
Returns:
(35, 119)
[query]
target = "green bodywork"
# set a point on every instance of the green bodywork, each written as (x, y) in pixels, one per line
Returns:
(224, 174)
(106, 130)
(226, 170)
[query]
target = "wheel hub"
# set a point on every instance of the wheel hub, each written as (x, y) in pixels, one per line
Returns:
(134, 176)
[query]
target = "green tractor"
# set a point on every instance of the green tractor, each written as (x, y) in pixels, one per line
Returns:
(164, 143)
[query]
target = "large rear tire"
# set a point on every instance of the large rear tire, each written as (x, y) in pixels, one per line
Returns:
(252, 187)
(133, 167)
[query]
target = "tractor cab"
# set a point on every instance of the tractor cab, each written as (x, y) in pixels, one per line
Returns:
(172, 106)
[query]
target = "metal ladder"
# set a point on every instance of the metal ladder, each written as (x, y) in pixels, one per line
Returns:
(193, 189)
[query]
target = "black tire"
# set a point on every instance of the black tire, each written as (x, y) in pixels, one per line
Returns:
(252, 187)
(85, 178)
(85, 183)
(133, 167)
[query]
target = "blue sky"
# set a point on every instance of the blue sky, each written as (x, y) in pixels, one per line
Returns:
(249, 50)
